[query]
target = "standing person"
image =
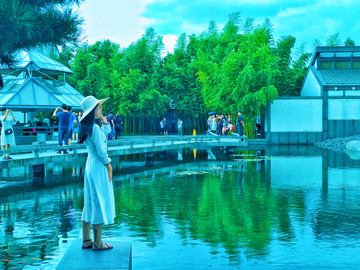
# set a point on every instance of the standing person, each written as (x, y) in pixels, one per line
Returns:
(240, 124)
(180, 126)
(166, 127)
(75, 136)
(162, 126)
(99, 202)
(118, 125)
(258, 125)
(64, 118)
(7, 131)
(209, 120)
(220, 125)
(213, 124)
(79, 122)
(110, 119)
(71, 124)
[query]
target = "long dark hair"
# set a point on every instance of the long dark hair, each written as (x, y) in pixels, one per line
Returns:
(86, 126)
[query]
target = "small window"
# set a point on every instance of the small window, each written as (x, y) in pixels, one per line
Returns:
(325, 65)
(356, 65)
(342, 65)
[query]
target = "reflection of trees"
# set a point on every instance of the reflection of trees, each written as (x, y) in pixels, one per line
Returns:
(224, 212)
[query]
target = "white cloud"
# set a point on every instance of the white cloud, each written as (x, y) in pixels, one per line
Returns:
(293, 11)
(120, 21)
(169, 42)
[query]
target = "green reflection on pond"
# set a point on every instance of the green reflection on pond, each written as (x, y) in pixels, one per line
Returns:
(250, 212)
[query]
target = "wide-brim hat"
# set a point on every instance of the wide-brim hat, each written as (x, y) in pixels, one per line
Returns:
(89, 103)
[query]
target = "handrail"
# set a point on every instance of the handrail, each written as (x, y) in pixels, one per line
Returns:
(152, 140)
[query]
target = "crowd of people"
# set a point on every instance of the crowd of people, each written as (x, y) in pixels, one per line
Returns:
(222, 125)
(69, 123)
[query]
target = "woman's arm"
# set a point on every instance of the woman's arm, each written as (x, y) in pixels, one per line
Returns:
(100, 145)
(109, 167)
(13, 117)
(6, 114)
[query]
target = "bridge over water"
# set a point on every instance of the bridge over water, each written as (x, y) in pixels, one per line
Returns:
(46, 153)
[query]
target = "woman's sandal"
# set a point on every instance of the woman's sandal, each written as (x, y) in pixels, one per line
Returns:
(103, 246)
(89, 245)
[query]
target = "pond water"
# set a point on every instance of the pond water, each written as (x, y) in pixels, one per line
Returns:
(278, 208)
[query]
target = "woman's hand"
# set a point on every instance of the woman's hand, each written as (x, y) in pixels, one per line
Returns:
(109, 167)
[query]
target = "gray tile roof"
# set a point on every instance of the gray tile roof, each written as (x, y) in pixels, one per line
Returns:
(340, 77)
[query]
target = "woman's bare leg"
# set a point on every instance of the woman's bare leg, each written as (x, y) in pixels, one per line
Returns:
(8, 148)
(86, 234)
(97, 228)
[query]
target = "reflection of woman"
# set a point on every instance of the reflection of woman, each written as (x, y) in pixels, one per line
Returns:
(7, 132)
(99, 204)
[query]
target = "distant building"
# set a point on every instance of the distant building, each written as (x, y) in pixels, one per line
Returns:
(329, 105)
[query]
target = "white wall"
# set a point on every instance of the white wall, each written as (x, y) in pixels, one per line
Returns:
(311, 87)
(296, 115)
(344, 109)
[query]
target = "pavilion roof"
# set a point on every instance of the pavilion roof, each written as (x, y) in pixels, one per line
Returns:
(37, 63)
(21, 94)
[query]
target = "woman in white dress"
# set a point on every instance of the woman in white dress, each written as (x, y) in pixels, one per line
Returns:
(99, 203)
(7, 131)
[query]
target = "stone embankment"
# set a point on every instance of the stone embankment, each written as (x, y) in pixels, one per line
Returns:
(344, 143)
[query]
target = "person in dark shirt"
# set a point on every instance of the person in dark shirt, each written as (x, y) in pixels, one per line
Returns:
(64, 120)
(118, 125)
(240, 124)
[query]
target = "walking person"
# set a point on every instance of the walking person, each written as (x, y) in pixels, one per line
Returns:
(99, 202)
(118, 122)
(180, 126)
(240, 124)
(7, 131)
(64, 119)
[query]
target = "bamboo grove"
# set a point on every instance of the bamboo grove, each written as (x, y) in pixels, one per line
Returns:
(240, 66)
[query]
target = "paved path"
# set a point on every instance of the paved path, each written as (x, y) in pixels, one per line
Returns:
(76, 258)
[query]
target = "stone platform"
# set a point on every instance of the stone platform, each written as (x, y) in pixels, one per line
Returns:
(77, 258)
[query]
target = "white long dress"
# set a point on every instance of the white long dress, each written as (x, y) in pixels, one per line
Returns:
(99, 202)
(6, 124)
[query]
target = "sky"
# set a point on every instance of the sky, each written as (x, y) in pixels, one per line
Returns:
(125, 21)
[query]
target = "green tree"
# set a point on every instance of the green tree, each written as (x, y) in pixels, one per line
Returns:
(333, 40)
(26, 24)
(349, 42)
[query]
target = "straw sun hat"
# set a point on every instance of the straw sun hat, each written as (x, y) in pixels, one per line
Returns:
(89, 103)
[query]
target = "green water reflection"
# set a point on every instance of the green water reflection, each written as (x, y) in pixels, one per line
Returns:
(248, 212)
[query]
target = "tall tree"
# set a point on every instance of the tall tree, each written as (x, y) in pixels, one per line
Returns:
(333, 40)
(349, 42)
(30, 23)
